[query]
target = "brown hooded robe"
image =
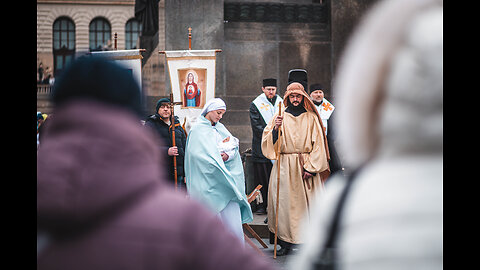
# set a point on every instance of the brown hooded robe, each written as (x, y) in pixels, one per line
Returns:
(302, 134)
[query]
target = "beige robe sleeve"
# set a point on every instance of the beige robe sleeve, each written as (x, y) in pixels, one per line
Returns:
(268, 147)
(316, 161)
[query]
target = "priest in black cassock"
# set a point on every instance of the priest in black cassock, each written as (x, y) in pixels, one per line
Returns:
(323, 106)
(262, 108)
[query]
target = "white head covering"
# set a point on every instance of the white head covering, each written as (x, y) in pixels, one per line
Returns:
(212, 105)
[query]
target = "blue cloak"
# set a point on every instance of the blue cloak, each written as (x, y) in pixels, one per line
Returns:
(210, 180)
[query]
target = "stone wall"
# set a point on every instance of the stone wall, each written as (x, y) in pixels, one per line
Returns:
(117, 12)
(258, 39)
(253, 48)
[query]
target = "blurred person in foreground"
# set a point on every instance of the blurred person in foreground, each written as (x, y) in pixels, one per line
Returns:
(392, 216)
(102, 200)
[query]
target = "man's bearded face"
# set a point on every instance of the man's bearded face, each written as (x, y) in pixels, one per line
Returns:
(269, 91)
(295, 99)
(317, 95)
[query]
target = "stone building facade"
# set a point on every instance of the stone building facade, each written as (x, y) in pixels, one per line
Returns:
(258, 39)
(116, 12)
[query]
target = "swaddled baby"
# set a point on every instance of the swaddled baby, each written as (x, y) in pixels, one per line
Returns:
(228, 146)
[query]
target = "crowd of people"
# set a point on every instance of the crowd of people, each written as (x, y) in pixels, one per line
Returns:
(45, 75)
(106, 193)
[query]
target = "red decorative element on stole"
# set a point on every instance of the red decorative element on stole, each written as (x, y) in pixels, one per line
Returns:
(327, 107)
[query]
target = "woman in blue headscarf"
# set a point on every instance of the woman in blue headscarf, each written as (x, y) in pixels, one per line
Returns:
(213, 177)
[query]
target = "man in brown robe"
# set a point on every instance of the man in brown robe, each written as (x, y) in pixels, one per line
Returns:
(303, 164)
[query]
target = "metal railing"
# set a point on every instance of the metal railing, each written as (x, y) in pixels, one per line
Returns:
(44, 88)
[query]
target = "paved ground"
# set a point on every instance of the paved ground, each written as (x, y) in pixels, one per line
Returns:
(281, 261)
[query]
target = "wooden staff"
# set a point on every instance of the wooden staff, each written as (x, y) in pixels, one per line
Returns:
(172, 117)
(278, 181)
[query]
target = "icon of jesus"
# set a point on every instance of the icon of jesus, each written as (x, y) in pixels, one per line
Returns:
(191, 92)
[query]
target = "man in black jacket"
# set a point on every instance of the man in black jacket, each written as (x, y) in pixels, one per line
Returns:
(262, 109)
(161, 123)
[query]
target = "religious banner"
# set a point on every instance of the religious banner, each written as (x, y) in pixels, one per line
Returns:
(130, 59)
(192, 79)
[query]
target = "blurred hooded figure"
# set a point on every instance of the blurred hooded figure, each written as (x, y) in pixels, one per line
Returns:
(102, 199)
(392, 215)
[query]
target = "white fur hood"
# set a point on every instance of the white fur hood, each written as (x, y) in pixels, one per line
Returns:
(390, 83)
(389, 118)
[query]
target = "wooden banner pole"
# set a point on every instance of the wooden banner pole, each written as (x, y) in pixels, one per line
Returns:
(172, 122)
(173, 139)
(278, 182)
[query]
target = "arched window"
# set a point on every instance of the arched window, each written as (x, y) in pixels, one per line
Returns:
(63, 43)
(132, 31)
(100, 35)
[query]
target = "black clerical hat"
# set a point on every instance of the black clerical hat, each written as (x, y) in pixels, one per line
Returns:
(300, 76)
(270, 82)
(316, 86)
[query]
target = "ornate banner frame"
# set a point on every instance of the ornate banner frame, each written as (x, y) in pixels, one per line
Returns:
(192, 80)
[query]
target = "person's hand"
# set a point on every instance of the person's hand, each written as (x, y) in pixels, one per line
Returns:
(278, 122)
(306, 175)
(224, 156)
(173, 151)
